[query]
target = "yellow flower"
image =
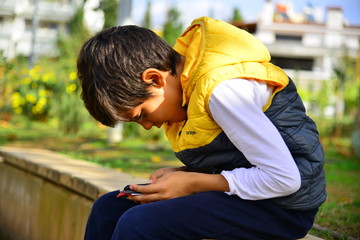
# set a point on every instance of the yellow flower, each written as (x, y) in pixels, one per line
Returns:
(31, 98)
(42, 93)
(42, 102)
(155, 159)
(34, 85)
(34, 73)
(18, 110)
(23, 71)
(16, 94)
(16, 100)
(26, 80)
(37, 109)
(47, 76)
(71, 88)
(72, 76)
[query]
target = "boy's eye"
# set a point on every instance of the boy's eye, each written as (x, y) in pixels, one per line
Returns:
(138, 118)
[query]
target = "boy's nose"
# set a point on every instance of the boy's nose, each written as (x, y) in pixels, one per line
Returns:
(147, 125)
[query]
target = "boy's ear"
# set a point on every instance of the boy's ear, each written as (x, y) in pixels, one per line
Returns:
(154, 77)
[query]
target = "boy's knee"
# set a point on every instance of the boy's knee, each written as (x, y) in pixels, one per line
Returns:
(138, 223)
(109, 206)
(131, 223)
(102, 202)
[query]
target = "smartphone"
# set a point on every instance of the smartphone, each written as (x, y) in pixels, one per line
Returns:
(129, 192)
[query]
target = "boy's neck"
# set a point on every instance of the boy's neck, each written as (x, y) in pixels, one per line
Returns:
(180, 66)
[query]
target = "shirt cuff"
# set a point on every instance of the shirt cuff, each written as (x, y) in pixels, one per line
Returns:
(230, 182)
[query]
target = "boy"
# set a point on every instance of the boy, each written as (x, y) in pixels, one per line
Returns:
(231, 117)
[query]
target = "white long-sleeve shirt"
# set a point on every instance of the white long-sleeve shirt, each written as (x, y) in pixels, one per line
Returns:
(236, 105)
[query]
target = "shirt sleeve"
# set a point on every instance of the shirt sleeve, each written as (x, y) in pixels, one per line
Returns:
(236, 105)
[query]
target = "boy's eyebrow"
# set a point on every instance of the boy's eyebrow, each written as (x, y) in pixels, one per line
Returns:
(124, 118)
(128, 118)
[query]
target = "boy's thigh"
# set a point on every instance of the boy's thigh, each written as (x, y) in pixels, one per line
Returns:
(105, 214)
(110, 205)
(211, 215)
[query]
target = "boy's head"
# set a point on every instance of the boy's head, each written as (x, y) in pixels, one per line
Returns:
(110, 67)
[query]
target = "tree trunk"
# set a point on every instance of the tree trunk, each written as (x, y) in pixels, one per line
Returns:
(355, 136)
(115, 134)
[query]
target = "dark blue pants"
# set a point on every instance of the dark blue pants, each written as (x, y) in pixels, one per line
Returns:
(213, 215)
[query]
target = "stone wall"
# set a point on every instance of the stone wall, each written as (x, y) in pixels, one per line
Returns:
(44, 195)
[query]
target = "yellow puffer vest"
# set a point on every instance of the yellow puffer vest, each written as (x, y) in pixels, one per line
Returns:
(215, 51)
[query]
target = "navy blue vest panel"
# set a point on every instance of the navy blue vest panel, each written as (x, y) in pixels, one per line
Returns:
(300, 134)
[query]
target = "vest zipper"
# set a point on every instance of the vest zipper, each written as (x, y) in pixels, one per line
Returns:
(182, 127)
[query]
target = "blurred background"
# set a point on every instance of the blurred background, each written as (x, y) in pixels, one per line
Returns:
(316, 42)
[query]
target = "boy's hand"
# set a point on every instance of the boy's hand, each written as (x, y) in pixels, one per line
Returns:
(171, 184)
(175, 184)
(160, 172)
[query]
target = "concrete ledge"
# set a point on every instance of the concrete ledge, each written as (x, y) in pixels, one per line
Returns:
(46, 195)
(309, 237)
(85, 178)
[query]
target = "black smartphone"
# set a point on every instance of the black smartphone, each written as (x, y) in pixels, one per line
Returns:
(129, 192)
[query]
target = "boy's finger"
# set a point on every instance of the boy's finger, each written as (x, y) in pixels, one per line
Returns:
(152, 179)
(142, 189)
(144, 198)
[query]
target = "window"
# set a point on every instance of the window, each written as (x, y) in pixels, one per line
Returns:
(48, 25)
(293, 38)
(28, 24)
(294, 63)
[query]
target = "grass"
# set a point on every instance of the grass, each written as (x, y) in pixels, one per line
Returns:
(132, 155)
(338, 217)
(340, 214)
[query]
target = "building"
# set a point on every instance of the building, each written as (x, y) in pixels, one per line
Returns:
(304, 44)
(16, 25)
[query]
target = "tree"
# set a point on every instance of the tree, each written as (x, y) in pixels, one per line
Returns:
(115, 135)
(6, 84)
(110, 9)
(68, 105)
(347, 93)
(173, 27)
(237, 16)
(345, 89)
(355, 138)
(69, 44)
(147, 17)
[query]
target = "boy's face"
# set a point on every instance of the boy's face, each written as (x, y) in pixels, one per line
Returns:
(165, 107)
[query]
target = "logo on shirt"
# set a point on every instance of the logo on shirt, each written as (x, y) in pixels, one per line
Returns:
(190, 132)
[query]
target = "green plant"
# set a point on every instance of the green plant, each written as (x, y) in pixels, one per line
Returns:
(110, 9)
(147, 17)
(8, 80)
(237, 16)
(33, 96)
(70, 111)
(173, 27)
(50, 90)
